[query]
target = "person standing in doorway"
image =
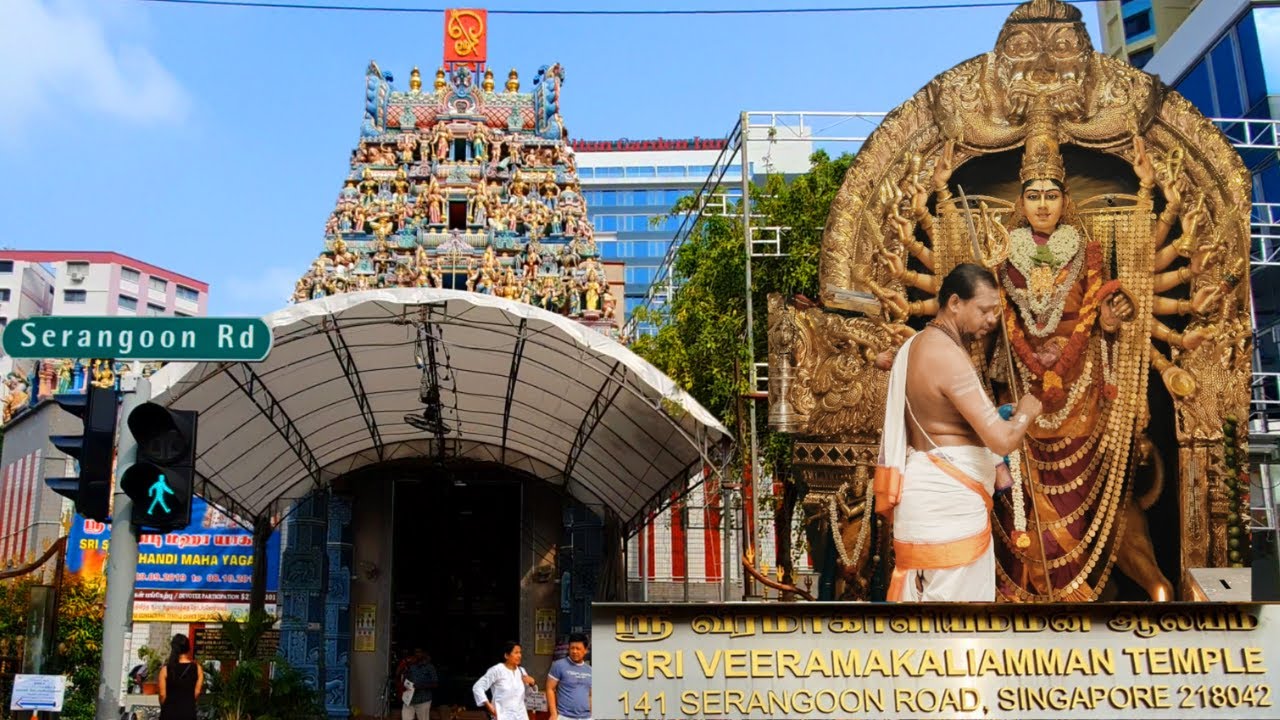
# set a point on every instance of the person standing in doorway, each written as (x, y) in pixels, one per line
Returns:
(181, 682)
(569, 683)
(507, 682)
(419, 680)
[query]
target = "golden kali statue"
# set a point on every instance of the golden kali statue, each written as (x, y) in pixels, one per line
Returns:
(1115, 217)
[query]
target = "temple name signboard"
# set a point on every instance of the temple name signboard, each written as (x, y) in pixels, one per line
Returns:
(231, 339)
(745, 661)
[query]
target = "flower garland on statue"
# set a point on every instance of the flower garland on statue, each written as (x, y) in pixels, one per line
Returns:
(1043, 311)
(1021, 540)
(1096, 291)
(1061, 247)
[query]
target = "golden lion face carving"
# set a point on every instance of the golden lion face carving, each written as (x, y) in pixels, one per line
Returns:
(1048, 59)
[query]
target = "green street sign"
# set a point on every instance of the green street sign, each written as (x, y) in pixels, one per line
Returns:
(231, 339)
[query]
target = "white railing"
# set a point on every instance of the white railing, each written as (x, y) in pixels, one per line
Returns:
(1250, 134)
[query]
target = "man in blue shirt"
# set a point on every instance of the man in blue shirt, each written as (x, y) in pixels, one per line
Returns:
(569, 683)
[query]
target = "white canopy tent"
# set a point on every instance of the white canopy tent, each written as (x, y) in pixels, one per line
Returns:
(363, 378)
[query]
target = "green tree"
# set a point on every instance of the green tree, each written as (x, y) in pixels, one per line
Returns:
(700, 340)
(78, 649)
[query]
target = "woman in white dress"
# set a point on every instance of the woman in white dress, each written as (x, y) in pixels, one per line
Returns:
(507, 682)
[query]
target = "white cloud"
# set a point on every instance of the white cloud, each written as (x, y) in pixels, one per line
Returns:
(70, 56)
(257, 294)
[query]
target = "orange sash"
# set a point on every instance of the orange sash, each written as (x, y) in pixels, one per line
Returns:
(940, 556)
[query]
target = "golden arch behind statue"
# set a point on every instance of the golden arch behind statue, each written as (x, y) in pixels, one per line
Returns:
(1043, 98)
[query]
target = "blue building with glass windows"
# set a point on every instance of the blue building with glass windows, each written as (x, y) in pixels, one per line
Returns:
(630, 187)
(1225, 58)
(1134, 30)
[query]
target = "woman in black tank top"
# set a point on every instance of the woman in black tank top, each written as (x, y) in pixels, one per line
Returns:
(181, 681)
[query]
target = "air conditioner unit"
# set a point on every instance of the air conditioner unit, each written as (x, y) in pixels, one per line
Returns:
(76, 276)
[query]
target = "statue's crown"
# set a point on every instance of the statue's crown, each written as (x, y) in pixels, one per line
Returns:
(1043, 11)
(1041, 158)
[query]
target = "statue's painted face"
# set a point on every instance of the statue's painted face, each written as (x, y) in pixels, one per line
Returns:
(1042, 202)
(1048, 59)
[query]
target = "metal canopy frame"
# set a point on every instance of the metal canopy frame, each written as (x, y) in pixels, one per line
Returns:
(523, 388)
(348, 364)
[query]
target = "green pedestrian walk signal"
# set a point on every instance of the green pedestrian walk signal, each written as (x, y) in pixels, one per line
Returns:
(162, 479)
(157, 491)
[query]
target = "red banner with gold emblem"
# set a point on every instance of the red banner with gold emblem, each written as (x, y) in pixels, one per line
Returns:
(466, 34)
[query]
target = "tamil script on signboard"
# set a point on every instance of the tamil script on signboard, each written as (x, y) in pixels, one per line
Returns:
(197, 575)
(888, 661)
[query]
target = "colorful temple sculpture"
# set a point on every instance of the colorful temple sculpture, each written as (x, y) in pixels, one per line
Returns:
(464, 186)
(31, 382)
(1130, 319)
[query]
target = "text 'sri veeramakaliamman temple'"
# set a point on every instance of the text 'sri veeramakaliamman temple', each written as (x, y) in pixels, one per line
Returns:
(464, 185)
(1130, 321)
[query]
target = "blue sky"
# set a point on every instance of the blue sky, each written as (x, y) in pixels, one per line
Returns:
(213, 141)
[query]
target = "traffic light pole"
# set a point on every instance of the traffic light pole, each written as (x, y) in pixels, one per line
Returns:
(122, 566)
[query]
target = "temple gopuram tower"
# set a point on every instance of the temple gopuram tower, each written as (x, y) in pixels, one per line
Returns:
(465, 185)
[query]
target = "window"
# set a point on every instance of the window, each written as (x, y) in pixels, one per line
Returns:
(5, 294)
(4, 322)
(78, 268)
(1137, 25)
(641, 172)
(74, 296)
(1226, 78)
(671, 171)
(1197, 87)
(6, 266)
(188, 295)
(640, 275)
(603, 172)
(158, 284)
(586, 172)
(154, 310)
(126, 303)
(1142, 57)
(129, 275)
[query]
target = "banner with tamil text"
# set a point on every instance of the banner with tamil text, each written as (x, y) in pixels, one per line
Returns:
(196, 575)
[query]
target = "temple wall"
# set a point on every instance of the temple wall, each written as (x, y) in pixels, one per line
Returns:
(371, 585)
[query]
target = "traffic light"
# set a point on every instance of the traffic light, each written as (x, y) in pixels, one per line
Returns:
(162, 479)
(94, 451)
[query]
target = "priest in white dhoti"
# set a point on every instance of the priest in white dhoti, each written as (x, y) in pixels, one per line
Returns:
(942, 449)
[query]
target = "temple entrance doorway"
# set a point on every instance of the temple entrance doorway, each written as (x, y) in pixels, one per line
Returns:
(456, 581)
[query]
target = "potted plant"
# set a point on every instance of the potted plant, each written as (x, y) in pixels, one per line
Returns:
(153, 659)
